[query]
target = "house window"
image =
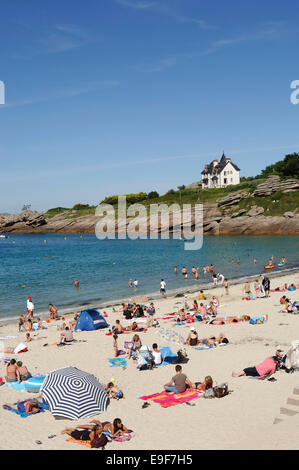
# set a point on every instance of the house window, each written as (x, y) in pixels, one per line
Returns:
(225, 180)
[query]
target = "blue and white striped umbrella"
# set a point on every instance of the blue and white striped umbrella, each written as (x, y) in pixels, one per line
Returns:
(74, 394)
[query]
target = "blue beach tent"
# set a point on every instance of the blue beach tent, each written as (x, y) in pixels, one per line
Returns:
(90, 319)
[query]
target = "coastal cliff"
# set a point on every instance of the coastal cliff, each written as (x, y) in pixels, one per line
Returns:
(271, 208)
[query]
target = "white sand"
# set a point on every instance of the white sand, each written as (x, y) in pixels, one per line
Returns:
(242, 420)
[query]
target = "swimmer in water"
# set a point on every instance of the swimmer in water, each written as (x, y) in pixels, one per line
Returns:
(76, 283)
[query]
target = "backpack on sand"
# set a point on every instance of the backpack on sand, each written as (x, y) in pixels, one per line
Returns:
(221, 390)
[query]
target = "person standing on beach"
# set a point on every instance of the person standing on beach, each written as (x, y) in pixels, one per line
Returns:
(53, 312)
(214, 280)
(30, 307)
(226, 286)
(266, 286)
(163, 288)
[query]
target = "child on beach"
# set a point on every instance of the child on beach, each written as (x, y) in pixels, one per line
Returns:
(113, 391)
(21, 323)
(115, 347)
(226, 286)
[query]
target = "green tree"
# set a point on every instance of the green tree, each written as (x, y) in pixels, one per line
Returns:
(152, 195)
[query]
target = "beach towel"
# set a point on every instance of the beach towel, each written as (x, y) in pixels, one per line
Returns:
(166, 399)
(42, 407)
(77, 441)
(168, 357)
(117, 362)
(16, 386)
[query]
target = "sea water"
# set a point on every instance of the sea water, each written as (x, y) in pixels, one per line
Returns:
(48, 264)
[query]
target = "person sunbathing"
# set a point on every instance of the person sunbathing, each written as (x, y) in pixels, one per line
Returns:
(28, 407)
(212, 309)
(212, 340)
(283, 300)
(133, 327)
(66, 336)
(12, 373)
(72, 323)
(114, 391)
(192, 339)
(287, 307)
(116, 428)
(179, 382)
(181, 315)
(267, 367)
(29, 339)
(205, 385)
(23, 371)
(117, 328)
(85, 432)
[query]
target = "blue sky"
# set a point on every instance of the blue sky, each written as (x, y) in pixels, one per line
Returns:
(117, 96)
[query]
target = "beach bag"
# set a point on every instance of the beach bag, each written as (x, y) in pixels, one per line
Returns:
(99, 442)
(252, 321)
(221, 390)
(209, 393)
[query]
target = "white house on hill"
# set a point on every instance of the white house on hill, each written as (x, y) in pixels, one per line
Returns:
(220, 174)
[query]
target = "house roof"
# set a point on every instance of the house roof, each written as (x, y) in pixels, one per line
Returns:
(216, 169)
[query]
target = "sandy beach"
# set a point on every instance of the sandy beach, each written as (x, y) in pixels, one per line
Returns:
(242, 420)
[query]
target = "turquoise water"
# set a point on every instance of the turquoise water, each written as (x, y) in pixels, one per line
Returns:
(103, 268)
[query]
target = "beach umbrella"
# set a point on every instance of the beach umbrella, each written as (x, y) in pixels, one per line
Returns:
(171, 336)
(74, 394)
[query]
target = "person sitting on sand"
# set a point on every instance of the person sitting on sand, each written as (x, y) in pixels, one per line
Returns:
(247, 289)
(283, 300)
(113, 391)
(128, 312)
(66, 336)
(151, 309)
(28, 407)
(118, 328)
(212, 309)
(179, 382)
(202, 310)
(156, 354)
(181, 315)
(72, 323)
(205, 385)
(201, 296)
(192, 339)
(195, 306)
(23, 371)
(28, 325)
(267, 367)
(53, 312)
(136, 345)
(12, 372)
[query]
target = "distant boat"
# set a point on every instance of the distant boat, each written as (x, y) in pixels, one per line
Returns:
(3, 236)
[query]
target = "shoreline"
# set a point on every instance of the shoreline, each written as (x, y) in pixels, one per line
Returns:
(178, 292)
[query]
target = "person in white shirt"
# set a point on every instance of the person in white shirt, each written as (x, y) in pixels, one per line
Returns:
(157, 354)
(220, 278)
(163, 287)
(30, 307)
(135, 283)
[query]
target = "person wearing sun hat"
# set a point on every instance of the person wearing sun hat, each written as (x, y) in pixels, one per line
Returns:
(192, 339)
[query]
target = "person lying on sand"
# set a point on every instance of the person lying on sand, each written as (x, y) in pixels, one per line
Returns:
(205, 385)
(85, 432)
(192, 338)
(28, 338)
(267, 367)
(212, 340)
(133, 327)
(114, 391)
(12, 372)
(287, 308)
(30, 406)
(179, 382)
(116, 428)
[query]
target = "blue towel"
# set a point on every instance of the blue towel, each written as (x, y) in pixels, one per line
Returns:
(117, 362)
(17, 386)
(42, 407)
